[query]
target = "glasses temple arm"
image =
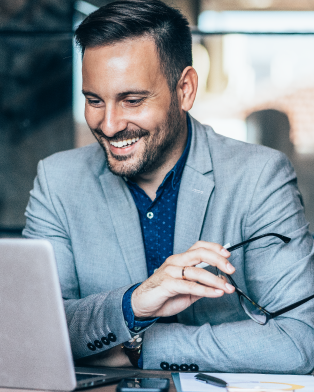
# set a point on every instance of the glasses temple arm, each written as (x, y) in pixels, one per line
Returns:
(290, 307)
(232, 281)
(283, 238)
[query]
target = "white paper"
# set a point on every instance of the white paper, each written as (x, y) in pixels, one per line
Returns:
(249, 382)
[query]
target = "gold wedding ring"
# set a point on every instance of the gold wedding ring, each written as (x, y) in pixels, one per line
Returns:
(183, 276)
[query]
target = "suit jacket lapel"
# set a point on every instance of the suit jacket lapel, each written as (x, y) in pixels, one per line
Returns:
(197, 184)
(125, 219)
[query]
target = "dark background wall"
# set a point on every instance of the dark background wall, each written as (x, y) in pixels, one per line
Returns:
(35, 95)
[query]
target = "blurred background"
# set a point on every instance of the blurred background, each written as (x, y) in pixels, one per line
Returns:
(255, 60)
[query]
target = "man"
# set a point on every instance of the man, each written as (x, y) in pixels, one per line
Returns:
(130, 217)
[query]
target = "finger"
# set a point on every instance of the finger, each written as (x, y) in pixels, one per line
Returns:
(208, 279)
(197, 275)
(196, 289)
(194, 257)
(211, 246)
(223, 278)
(194, 298)
(179, 272)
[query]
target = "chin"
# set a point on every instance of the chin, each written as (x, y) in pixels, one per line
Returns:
(125, 168)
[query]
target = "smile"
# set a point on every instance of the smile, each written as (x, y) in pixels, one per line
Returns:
(125, 143)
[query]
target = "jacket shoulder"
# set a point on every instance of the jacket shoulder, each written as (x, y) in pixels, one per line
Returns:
(236, 151)
(78, 160)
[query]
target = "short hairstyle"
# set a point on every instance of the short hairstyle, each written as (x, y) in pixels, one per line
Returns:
(124, 19)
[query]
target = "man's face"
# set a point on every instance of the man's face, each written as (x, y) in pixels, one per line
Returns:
(129, 107)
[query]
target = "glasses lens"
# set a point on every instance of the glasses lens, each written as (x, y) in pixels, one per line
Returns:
(253, 311)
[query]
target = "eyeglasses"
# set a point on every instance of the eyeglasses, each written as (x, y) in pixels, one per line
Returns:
(256, 312)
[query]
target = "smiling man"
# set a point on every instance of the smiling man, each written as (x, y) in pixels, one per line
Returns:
(132, 216)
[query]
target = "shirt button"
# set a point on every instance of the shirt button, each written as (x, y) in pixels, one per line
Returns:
(150, 215)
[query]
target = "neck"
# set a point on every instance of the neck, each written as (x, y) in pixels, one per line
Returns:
(150, 181)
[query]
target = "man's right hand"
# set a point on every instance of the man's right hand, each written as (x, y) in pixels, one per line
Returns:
(166, 293)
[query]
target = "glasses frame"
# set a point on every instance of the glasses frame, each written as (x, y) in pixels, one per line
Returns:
(269, 315)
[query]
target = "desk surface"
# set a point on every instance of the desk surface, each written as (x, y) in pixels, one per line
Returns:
(112, 387)
(142, 373)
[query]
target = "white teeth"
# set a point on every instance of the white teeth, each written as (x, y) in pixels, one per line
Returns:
(123, 143)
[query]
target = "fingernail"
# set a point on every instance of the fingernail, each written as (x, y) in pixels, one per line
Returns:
(229, 287)
(230, 267)
(219, 291)
(224, 252)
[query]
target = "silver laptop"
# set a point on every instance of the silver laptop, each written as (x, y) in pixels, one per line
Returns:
(35, 348)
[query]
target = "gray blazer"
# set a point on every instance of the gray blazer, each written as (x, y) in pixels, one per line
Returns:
(230, 191)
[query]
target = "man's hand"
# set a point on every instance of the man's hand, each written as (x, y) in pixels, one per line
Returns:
(165, 293)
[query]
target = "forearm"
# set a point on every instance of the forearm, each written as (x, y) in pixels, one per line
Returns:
(283, 346)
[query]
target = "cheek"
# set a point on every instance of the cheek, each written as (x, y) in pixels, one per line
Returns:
(93, 116)
(149, 118)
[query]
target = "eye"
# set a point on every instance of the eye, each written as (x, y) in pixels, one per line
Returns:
(134, 102)
(93, 102)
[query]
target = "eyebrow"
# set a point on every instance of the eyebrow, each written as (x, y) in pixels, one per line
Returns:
(90, 93)
(120, 95)
(133, 92)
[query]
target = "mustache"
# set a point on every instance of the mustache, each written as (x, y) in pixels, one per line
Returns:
(125, 134)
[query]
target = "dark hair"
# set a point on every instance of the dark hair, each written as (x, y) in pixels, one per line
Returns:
(124, 19)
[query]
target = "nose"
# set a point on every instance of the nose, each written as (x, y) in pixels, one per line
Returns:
(113, 120)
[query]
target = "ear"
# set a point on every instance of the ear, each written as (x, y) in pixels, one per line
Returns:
(187, 88)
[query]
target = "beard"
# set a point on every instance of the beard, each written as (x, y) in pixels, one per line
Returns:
(158, 144)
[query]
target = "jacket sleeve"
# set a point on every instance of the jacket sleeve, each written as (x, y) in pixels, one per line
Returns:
(276, 275)
(96, 322)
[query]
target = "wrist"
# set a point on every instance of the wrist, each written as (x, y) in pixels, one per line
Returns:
(133, 349)
(138, 315)
(143, 318)
(133, 355)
